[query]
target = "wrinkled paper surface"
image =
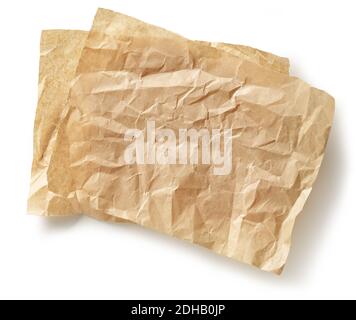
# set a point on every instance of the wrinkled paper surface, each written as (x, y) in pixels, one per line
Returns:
(60, 53)
(130, 73)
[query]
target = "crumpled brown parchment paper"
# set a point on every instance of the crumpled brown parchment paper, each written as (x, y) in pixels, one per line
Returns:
(131, 73)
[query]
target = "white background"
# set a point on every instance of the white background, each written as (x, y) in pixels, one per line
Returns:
(83, 258)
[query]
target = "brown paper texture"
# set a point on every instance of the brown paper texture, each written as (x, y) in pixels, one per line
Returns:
(265, 59)
(128, 79)
(60, 53)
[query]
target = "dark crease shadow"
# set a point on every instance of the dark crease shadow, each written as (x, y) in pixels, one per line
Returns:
(312, 224)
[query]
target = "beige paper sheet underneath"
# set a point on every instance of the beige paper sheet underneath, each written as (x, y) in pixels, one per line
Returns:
(60, 52)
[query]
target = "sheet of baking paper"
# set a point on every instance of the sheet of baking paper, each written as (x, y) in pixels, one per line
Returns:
(279, 128)
(60, 52)
(128, 81)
